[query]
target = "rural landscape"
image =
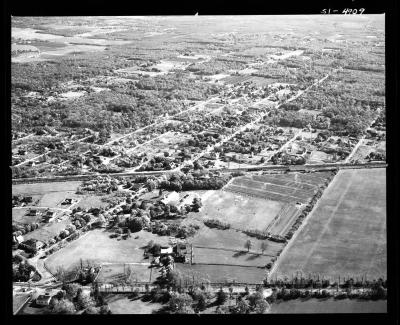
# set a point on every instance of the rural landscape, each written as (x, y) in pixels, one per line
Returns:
(198, 165)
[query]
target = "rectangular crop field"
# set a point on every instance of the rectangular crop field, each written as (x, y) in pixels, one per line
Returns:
(346, 232)
(317, 306)
(43, 188)
(117, 273)
(229, 257)
(241, 212)
(232, 239)
(221, 273)
(289, 188)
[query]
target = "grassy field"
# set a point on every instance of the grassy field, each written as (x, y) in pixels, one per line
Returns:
(48, 231)
(45, 188)
(346, 233)
(328, 306)
(19, 216)
(117, 273)
(97, 247)
(122, 304)
(19, 300)
(48, 194)
(221, 273)
(91, 201)
(225, 256)
(54, 199)
(231, 239)
(241, 212)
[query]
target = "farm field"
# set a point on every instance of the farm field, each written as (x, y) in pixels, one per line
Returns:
(240, 211)
(289, 188)
(235, 240)
(97, 247)
(222, 273)
(91, 201)
(328, 306)
(44, 188)
(346, 232)
(115, 273)
(229, 257)
(284, 220)
(52, 200)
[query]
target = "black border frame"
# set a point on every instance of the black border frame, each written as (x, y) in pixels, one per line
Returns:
(217, 7)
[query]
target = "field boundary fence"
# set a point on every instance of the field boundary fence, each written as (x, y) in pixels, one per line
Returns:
(232, 250)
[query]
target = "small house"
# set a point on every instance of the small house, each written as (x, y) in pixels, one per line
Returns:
(171, 198)
(166, 250)
(67, 201)
(33, 213)
(50, 214)
(19, 239)
(32, 244)
(43, 300)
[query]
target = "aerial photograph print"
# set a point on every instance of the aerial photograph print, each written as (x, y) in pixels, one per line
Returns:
(231, 164)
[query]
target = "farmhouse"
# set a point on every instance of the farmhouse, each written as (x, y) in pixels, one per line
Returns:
(171, 198)
(43, 300)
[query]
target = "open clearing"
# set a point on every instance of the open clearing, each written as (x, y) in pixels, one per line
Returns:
(44, 188)
(229, 257)
(346, 233)
(328, 306)
(48, 231)
(97, 247)
(241, 212)
(221, 273)
(235, 240)
(117, 273)
(19, 216)
(122, 304)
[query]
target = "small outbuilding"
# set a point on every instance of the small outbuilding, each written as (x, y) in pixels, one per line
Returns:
(43, 300)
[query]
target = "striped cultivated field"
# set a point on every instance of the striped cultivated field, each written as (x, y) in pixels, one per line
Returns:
(345, 234)
(287, 188)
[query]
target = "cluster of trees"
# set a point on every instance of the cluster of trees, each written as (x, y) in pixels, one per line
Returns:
(22, 270)
(178, 86)
(172, 229)
(71, 299)
(263, 235)
(292, 118)
(99, 185)
(18, 200)
(215, 223)
(22, 229)
(194, 181)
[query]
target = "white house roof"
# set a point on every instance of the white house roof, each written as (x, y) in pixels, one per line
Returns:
(171, 198)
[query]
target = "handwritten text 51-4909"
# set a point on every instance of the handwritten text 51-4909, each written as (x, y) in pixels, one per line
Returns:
(344, 11)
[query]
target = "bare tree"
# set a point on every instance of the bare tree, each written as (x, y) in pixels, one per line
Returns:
(248, 244)
(60, 274)
(263, 246)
